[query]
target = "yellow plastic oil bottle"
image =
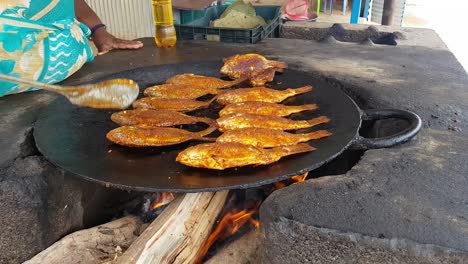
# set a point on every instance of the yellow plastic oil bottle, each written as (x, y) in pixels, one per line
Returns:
(165, 34)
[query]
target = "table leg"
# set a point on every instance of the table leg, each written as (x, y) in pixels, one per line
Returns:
(355, 12)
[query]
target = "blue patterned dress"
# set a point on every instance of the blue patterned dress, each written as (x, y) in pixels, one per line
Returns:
(41, 40)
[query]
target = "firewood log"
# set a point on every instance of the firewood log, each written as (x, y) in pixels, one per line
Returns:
(179, 232)
(99, 244)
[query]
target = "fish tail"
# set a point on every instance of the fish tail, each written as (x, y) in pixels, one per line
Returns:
(211, 139)
(207, 131)
(206, 120)
(315, 135)
(302, 90)
(318, 120)
(211, 100)
(294, 149)
(208, 103)
(278, 65)
(308, 107)
(235, 82)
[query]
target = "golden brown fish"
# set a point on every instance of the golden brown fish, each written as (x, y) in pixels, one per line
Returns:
(239, 121)
(150, 117)
(146, 136)
(203, 81)
(182, 105)
(265, 108)
(260, 94)
(178, 91)
(255, 67)
(220, 156)
(268, 138)
(261, 77)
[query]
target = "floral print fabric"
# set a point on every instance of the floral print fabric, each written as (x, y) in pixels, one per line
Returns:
(40, 40)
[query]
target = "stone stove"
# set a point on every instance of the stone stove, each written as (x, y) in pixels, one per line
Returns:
(404, 204)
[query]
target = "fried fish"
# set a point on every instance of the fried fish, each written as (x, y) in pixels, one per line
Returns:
(261, 77)
(150, 117)
(268, 138)
(255, 67)
(259, 94)
(178, 91)
(239, 121)
(182, 105)
(220, 156)
(265, 108)
(202, 81)
(147, 136)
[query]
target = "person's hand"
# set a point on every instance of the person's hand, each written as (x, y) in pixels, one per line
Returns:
(105, 42)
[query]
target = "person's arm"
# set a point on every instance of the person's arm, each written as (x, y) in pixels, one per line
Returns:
(103, 40)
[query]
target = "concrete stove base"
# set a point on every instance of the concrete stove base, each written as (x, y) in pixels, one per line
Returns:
(407, 204)
(40, 203)
(415, 192)
(321, 245)
(394, 206)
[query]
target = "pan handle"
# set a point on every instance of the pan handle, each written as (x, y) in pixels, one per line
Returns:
(389, 141)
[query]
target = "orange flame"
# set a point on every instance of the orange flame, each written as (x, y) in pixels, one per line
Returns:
(228, 226)
(233, 221)
(299, 178)
(162, 199)
(255, 223)
(293, 180)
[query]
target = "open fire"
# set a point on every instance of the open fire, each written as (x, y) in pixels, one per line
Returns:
(294, 179)
(240, 215)
(229, 224)
(161, 199)
(236, 218)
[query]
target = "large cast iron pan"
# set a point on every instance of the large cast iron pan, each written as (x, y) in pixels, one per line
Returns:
(73, 138)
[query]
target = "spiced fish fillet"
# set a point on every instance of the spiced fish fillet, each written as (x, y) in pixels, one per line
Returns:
(178, 91)
(268, 138)
(182, 105)
(147, 136)
(203, 81)
(239, 65)
(265, 108)
(261, 77)
(256, 68)
(239, 121)
(220, 156)
(162, 118)
(260, 94)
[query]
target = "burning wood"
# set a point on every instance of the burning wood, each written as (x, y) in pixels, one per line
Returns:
(183, 233)
(232, 221)
(162, 199)
(179, 232)
(228, 226)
